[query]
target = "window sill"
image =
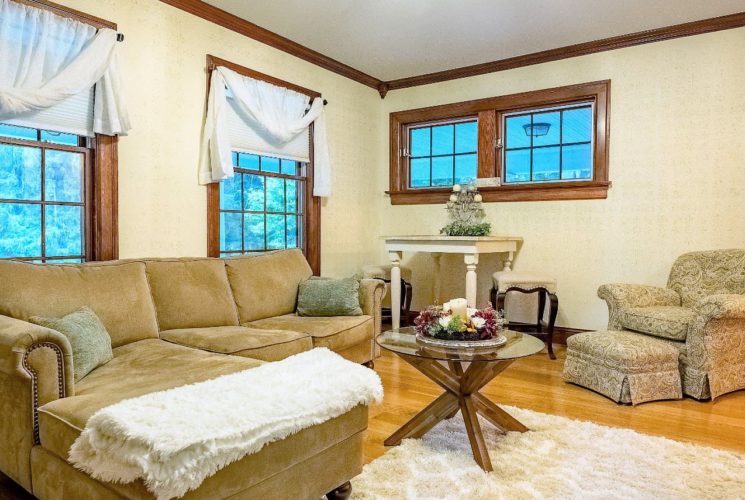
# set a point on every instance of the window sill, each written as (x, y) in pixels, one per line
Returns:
(590, 190)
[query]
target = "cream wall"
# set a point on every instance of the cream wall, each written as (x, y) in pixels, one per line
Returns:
(162, 209)
(677, 163)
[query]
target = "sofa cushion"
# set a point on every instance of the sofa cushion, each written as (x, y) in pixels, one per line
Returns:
(266, 345)
(668, 322)
(191, 293)
(137, 368)
(329, 297)
(335, 332)
(117, 292)
(266, 285)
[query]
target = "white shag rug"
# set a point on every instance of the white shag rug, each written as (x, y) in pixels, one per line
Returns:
(558, 458)
(175, 439)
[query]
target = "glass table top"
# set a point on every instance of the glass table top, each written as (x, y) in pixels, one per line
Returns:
(404, 341)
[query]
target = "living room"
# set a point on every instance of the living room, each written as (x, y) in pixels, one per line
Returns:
(528, 218)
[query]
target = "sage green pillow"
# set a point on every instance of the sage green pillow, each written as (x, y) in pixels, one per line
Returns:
(329, 297)
(91, 343)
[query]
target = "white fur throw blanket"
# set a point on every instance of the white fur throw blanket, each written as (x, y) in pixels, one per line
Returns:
(177, 438)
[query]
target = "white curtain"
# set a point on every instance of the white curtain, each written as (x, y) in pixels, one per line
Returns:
(276, 113)
(45, 59)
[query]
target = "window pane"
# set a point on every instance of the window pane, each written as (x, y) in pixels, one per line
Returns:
(230, 230)
(517, 166)
(235, 159)
(253, 236)
(20, 172)
(442, 140)
(269, 164)
(420, 142)
(275, 231)
(466, 137)
(420, 172)
(546, 164)
(576, 162)
(275, 194)
(250, 161)
(59, 138)
(553, 136)
(15, 132)
(253, 192)
(289, 167)
(63, 230)
(577, 125)
(291, 187)
(516, 137)
(64, 261)
(230, 193)
(442, 171)
(20, 230)
(63, 179)
(292, 225)
(465, 169)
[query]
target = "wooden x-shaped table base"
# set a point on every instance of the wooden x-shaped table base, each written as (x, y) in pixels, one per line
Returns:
(461, 393)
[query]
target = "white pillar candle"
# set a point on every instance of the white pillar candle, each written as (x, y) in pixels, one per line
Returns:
(459, 307)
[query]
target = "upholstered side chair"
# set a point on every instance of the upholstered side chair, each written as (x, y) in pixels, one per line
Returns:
(701, 312)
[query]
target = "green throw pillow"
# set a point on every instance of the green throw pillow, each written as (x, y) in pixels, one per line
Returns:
(329, 297)
(91, 344)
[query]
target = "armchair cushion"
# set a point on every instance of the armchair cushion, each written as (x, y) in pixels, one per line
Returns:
(668, 322)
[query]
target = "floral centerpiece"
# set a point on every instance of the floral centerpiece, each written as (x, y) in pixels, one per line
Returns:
(459, 324)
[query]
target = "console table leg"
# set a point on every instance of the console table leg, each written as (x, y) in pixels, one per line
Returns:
(471, 261)
(395, 289)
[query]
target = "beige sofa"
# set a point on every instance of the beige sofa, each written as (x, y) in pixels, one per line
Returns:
(172, 322)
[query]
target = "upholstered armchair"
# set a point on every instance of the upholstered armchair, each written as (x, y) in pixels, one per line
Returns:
(701, 311)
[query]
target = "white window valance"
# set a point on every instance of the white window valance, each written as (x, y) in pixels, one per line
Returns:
(255, 116)
(58, 73)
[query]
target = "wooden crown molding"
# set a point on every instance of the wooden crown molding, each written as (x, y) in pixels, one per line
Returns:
(580, 49)
(251, 30)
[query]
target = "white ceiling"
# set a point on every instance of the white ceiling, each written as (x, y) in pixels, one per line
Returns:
(392, 39)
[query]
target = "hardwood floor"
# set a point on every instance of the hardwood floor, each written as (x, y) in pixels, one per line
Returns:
(535, 383)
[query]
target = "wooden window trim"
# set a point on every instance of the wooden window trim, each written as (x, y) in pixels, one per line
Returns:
(489, 112)
(311, 221)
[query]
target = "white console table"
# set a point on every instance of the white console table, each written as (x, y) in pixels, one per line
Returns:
(470, 246)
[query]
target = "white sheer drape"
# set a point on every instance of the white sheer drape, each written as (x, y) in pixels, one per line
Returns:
(45, 59)
(276, 113)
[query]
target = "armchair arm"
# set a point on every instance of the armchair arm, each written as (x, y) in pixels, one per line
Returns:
(620, 296)
(372, 292)
(715, 343)
(35, 368)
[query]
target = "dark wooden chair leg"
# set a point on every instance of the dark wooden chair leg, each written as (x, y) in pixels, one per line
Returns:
(341, 493)
(370, 364)
(406, 302)
(552, 312)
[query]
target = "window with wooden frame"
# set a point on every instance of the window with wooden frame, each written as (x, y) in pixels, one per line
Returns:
(58, 190)
(268, 204)
(544, 145)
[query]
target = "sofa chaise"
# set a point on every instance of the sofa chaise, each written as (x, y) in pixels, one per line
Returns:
(172, 322)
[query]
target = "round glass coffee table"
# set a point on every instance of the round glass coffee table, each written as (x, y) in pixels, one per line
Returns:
(462, 372)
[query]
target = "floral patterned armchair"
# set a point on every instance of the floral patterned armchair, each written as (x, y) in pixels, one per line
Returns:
(701, 311)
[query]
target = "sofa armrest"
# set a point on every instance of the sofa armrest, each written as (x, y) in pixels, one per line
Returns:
(372, 292)
(35, 368)
(716, 341)
(620, 296)
(39, 358)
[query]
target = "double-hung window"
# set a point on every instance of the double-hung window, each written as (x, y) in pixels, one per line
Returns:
(45, 210)
(262, 205)
(268, 203)
(542, 145)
